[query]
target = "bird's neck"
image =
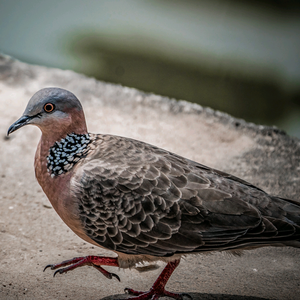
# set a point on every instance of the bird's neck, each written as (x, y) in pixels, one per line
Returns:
(53, 186)
(40, 162)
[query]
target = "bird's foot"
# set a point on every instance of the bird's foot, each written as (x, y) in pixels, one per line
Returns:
(154, 294)
(94, 261)
(158, 288)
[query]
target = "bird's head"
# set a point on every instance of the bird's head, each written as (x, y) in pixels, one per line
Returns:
(55, 111)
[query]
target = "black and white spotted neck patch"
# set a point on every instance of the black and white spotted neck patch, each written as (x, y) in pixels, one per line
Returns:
(64, 154)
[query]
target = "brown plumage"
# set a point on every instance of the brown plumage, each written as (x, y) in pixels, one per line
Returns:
(143, 202)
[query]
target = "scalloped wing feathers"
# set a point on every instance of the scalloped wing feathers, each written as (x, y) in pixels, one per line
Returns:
(139, 199)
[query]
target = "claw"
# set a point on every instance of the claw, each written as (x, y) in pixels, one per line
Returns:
(116, 276)
(60, 271)
(48, 266)
(106, 273)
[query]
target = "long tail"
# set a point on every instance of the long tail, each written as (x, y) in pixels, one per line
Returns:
(287, 220)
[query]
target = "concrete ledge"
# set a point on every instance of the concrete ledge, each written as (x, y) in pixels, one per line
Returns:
(32, 235)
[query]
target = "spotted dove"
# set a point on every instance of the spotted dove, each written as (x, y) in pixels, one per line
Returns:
(144, 203)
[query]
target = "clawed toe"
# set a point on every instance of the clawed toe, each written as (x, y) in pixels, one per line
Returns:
(116, 276)
(94, 261)
(48, 266)
(60, 271)
(132, 292)
(106, 273)
(71, 267)
(154, 294)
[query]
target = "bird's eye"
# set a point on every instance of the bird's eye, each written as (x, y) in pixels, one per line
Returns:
(49, 107)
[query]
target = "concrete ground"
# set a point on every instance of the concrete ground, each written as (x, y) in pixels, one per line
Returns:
(32, 235)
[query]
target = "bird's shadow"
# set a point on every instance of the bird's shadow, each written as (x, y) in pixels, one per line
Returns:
(196, 296)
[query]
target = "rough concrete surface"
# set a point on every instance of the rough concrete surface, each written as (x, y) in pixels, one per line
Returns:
(32, 235)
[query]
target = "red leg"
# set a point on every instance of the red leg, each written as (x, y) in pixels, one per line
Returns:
(94, 261)
(158, 288)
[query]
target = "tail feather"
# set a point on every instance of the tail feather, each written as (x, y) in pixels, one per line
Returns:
(291, 209)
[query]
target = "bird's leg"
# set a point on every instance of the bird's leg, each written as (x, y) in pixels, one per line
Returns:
(158, 288)
(94, 261)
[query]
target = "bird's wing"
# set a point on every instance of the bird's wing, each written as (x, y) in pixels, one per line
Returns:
(138, 199)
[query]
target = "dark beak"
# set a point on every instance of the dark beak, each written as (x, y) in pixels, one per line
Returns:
(19, 123)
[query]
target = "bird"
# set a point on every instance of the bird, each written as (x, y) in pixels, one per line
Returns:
(144, 203)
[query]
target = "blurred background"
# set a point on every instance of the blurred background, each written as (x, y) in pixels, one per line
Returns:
(241, 57)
